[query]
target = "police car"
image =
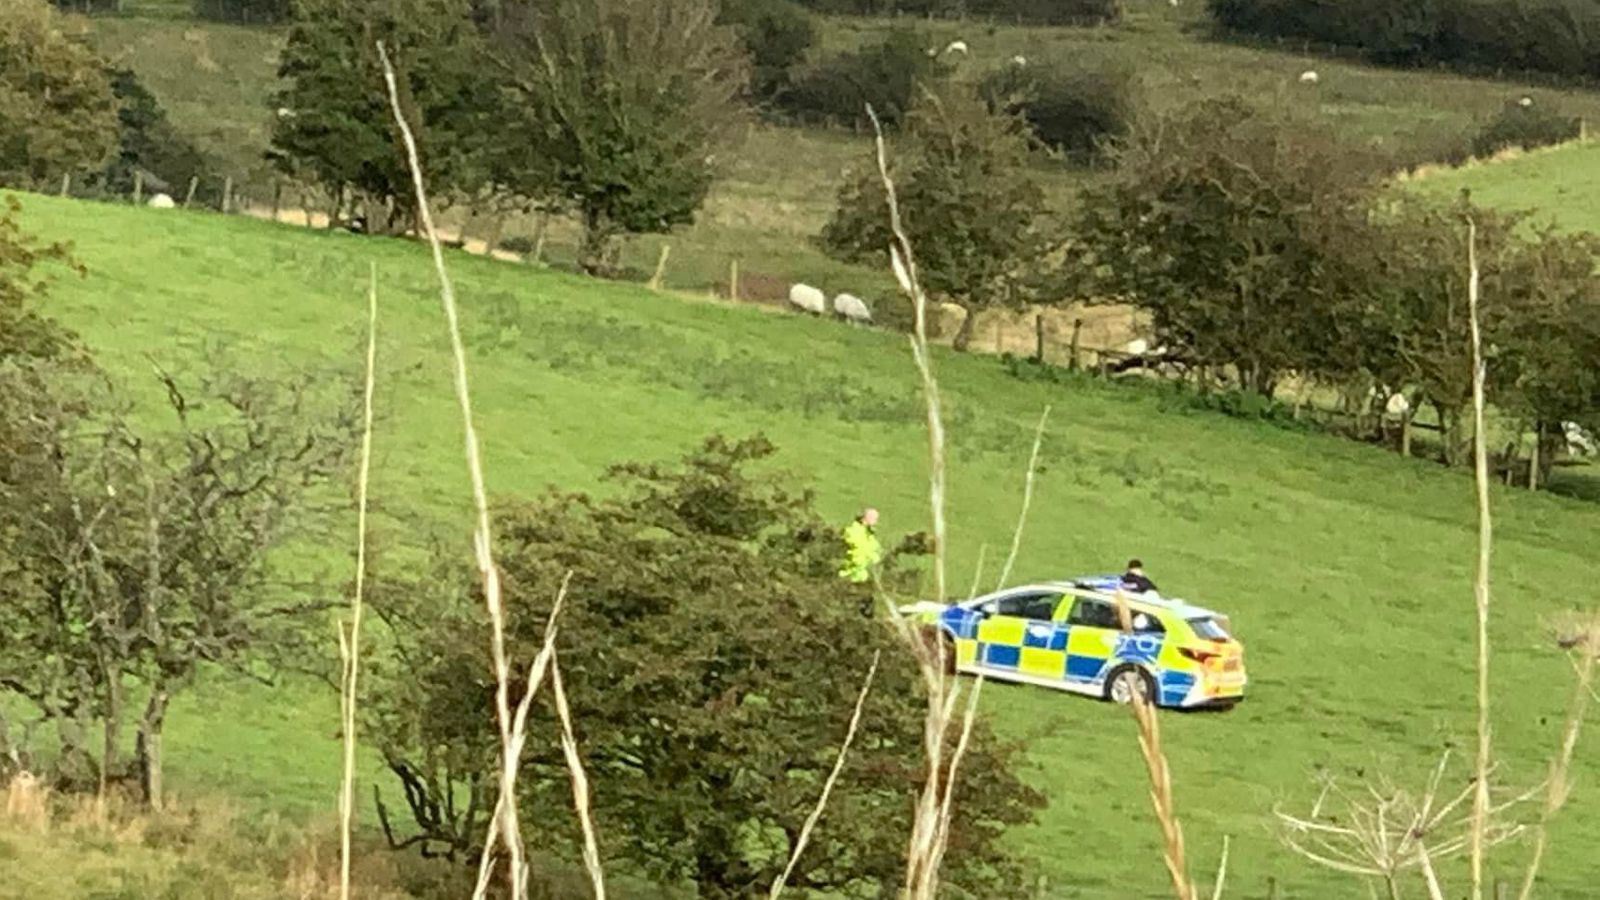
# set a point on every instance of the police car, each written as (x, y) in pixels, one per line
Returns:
(1069, 635)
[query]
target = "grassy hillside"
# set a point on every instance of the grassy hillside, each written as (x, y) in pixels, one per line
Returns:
(780, 183)
(1346, 569)
(1558, 185)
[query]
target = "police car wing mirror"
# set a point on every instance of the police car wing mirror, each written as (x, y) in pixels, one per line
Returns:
(989, 608)
(1141, 622)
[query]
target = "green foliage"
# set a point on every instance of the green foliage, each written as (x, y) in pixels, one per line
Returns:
(973, 211)
(712, 657)
(1073, 109)
(24, 332)
(889, 75)
(1524, 124)
(616, 108)
(245, 12)
(1221, 223)
(777, 34)
(1022, 12)
(1559, 37)
(334, 125)
(57, 112)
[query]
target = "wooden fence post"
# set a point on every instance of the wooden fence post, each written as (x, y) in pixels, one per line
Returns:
(1405, 433)
(661, 267)
(194, 182)
(138, 187)
(1038, 337)
(66, 184)
(1077, 330)
(277, 199)
(492, 242)
(1272, 888)
(539, 234)
(733, 280)
(227, 195)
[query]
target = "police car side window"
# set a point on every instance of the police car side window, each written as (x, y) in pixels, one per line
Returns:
(1094, 614)
(1039, 607)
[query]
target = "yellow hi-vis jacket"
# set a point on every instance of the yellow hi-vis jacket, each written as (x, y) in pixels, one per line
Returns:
(862, 552)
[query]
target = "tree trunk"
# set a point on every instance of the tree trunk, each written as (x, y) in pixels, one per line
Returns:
(963, 338)
(149, 746)
(110, 748)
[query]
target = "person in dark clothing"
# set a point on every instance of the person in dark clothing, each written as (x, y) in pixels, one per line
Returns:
(1134, 579)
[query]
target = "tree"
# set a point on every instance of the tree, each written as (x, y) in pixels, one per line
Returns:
(776, 35)
(334, 125)
(148, 143)
(57, 112)
(889, 75)
(133, 557)
(971, 207)
(1219, 224)
(616, 108)
(712, 657)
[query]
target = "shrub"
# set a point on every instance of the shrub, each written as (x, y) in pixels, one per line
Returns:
(1073, 110)
(711, 655)
(777, 34)
(1561, 37)
(1525, 125)
(886, 75)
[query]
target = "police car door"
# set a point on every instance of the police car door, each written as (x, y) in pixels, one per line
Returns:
(1018, 635)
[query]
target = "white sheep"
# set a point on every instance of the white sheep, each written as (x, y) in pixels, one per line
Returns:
(161, 201)
(1397, 405)
(809, 299)
(853, 308)
(1525, 102)
(1019, 60)
(957, 46)
(1579, 443)
(1136, 347)
(1309, 76)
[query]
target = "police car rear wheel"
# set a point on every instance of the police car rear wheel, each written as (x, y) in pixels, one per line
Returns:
(1122, 684)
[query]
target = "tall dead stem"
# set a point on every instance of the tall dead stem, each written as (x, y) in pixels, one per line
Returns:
(1155, 761)
(580, 782)
(931, 822)
(350, 646)
(483, 543)
(1557, 787)
(1480, 799)
(1027, 500)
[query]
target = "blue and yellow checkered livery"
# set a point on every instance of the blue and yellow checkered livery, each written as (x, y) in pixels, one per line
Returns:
(1070, 636)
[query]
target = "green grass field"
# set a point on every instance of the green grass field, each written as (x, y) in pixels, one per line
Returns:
(1557, 185)
(1346, 569)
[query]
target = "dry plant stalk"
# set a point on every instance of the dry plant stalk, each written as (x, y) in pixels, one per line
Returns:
(505, 819)
(1480, 801)
(1557, 787)
(1155, 762)
(519, 734)
(930, 828)
(580, 779)
(827, 786)
(1027, 500)
(350, 646)
(1383, 830)
(1222, 870)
